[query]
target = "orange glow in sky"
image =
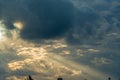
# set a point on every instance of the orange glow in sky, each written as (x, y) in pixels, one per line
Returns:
(18, 25)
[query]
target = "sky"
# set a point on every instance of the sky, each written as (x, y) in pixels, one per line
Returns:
(73, 39)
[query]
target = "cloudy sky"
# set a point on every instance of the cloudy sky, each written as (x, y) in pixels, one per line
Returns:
(73, 39)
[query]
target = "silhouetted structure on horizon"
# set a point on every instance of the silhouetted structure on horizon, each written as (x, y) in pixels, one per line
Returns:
(29, 78)
(59, 78)
(109, 78)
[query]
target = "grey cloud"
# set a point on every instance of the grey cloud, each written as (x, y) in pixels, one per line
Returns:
(2, 71)
(94, 20)
(23, 73)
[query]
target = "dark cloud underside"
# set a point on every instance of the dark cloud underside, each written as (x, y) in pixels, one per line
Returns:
(43, 18)
(79, 21)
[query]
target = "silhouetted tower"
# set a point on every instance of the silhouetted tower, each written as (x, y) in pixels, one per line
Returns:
(109, 78)
(59, 78)
(29, 78)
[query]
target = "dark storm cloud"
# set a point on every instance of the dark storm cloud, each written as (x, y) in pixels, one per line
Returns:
(49, 19)
(80, 21)
(43, 18)
(11, 11)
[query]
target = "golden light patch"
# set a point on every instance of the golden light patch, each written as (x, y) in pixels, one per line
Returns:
(0, 35)
(1, 30)
(18, 25)
(66, 52)
(93, 50)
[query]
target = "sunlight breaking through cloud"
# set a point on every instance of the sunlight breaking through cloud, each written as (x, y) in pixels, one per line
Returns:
(2, 31)
(40, 56)
(44, 62)
(18, 25)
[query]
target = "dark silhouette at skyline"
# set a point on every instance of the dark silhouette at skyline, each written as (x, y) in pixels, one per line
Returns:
(29, 78)
(109, 78)
(59, 78)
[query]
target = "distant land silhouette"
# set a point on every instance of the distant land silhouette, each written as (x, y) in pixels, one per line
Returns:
(30, 78)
